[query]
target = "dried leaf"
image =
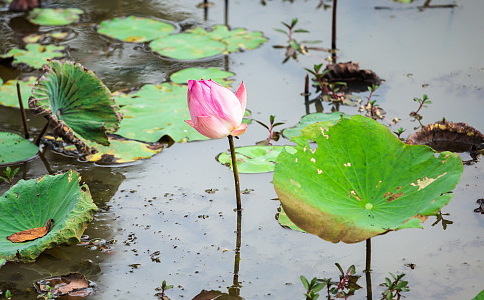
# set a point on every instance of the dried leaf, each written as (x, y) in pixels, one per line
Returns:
(73, 284)
(30, 234)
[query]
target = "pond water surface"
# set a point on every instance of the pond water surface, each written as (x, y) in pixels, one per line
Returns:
(171, 217)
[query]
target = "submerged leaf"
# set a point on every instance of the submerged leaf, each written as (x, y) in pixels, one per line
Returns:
(359, 180)
(76, 103)
(73, 285)
(30, 203)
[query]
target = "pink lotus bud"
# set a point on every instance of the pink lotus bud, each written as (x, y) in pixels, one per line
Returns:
(216, 111)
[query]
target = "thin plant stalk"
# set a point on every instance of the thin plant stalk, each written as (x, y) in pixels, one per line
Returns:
(369, 292)
(333, 32)
(236, 173)
(22, 112)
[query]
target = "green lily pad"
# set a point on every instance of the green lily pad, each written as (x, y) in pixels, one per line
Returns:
(15, 148)
(34, 55)
(359, 180)
(30, 203)
(76, 103)
(236, 39)
(187, 46)
(8, 91)
(54, 16)
(135, 29)
(252, 159)
(310, 119)
(198, 43)
(216, 74)
(154, 111)
(479, 296)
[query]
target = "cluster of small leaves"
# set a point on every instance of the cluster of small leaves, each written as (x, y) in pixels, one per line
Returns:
(344, 288)
(312, 288)
(273, 135)
(10, 174)
(330, 91)
(47, 295)
(294, 47)
(422, 102)
(395, 288)
(440, 219)
(8, 295)
(162, 289)
(373, 110)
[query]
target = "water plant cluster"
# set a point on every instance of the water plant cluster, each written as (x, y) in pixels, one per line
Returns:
(342, 177)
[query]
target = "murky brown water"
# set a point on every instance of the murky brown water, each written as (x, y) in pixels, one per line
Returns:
(158, 222)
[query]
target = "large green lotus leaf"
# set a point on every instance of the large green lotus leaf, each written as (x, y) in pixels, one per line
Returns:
(238, 38)
(30, 203)
(359, 180)
(285, 222)
(479, 296)
(187, 46)
(252, 159)
(119, 151)
(8, 91)
(54, 16)
(34, 55)
(76, 103)
(135, 29)
(15, 148)
(215, 74)
(155, 111)
(310, 119)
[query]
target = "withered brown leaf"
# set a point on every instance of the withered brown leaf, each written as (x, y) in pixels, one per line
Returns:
(30, 234)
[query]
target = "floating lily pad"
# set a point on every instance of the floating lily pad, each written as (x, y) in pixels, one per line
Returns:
(198, 43)
(236, 39)
(359, 180)
(76, 103)
(15, 148)
(187, 46)
(154, 111)
(8, 91)
(135, 29)
(215, 74)
(310, 119)
(30, 203)
(54, 16)
(34, 55)
(252, 159)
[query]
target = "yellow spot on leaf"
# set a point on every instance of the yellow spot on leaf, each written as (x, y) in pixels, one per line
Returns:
(320, 171)
(313, 159)
(348, 164)
(424, 182)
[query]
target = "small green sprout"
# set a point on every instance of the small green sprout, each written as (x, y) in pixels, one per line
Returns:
(10, 174)
(394, 288)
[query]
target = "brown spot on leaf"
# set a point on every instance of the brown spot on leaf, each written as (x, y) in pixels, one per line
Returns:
(30, 234)
(394, 196)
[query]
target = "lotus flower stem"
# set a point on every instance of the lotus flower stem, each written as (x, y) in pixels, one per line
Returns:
(236, 173)
(369, 292)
